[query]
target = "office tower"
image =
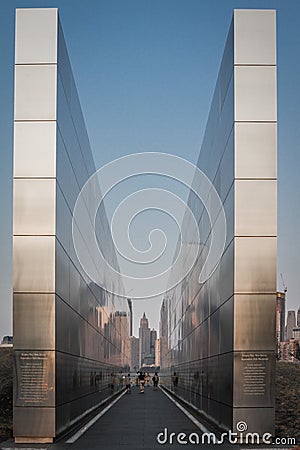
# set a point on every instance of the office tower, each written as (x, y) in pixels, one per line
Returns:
(296, 334)
(280, 316)
(153, 337)
(134, 353)
(130, 315)
(144, 336)
(290, 324)
(157, 353)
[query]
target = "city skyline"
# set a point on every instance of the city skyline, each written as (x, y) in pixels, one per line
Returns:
(146, 83)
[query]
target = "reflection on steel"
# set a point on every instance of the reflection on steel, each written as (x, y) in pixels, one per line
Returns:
(218, 339)
(70, 339)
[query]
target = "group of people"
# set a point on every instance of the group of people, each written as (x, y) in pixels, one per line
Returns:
(142, 379)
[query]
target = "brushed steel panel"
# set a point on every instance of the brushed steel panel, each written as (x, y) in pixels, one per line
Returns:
(67, 328)
(70, 136)
(36, 35)
(34, 381)
(34, 422)
(34, 321)
(226, 67)
(64, 65)
(259, 420)
(62, 272)
(225, 378)
(63, 221)
(227, 326)
(35, 92)
(225, 413)
(254, 318)
(81, 130)
(255, 93)
(221, 133)
(225, 173)
(74, 287)
(33, 259)
(255, 207)
(254, 36)
(229, 206)
(34, 207)
(221, 283)
(255, 264)
(34, 149)
(65, 174)
(255, 150)
(214, 341)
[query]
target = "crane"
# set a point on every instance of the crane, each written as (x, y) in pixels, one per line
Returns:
(283, 284)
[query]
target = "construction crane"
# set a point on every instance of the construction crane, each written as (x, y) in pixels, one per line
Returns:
(283, 284)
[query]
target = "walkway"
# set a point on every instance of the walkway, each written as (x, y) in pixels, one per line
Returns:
(133, 423)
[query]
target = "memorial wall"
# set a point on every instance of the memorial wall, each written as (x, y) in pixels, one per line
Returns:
(219, 336)
(70, 335)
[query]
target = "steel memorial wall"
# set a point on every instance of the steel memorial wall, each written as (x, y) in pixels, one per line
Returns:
(69, 341)
(219, 336)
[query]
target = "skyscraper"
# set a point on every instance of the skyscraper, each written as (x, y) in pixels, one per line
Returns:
(144, 336)
(290, 324)
(153, 337)
(134, 353)
(157, 352)
(298, 318)
(280, 316)
(129, 301)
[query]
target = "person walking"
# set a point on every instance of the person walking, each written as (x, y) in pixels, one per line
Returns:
(128, 384)
(155, 380)
(148, 379)
(142, 382)
(175, 380)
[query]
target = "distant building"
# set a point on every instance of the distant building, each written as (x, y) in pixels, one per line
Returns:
(157, 352)
(290, 351)
(144, 336)
(280, 317)
(129, 301)
(290, 324)
(153, 337)
(163, 334)
(298, 318)
(296, 333)
(149, 360)
(120, 321)
(134, 353)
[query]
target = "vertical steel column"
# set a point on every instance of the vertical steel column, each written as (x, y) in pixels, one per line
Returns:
(34, 224)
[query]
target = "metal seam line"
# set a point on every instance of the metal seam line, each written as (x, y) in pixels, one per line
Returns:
(189, 415)
(82, 430)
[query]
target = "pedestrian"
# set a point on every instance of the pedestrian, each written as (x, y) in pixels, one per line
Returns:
(128, 383)
(112, 383)
(142, 382)
(175, 380)
(155, 380)
(148, 379)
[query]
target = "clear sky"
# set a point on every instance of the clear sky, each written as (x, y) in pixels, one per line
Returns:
(145, 72)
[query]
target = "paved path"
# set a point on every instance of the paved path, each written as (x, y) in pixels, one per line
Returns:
(134, 423)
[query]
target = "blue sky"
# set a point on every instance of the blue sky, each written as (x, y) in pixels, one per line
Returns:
(145, 73)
